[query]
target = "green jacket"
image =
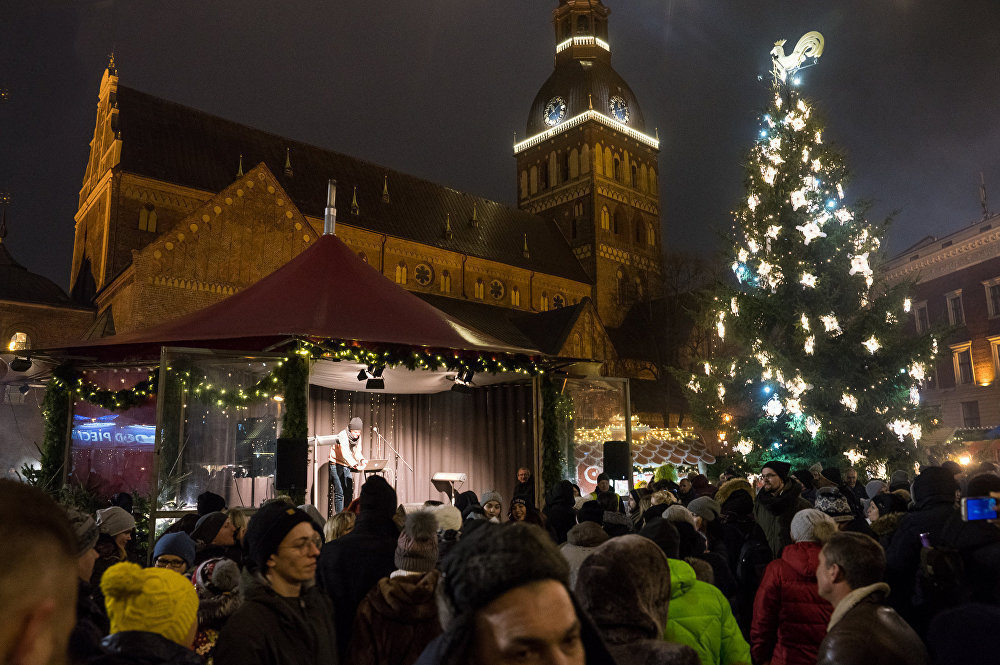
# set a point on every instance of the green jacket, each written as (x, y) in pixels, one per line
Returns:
(700, 617)
(774, 513)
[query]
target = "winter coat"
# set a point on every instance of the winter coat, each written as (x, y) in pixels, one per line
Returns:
(885, 527)
(624, 586)
(700, 617)
(559, 511)
(395, 621)
(790, 618)
(91, 626)
(352, 565)
(863, 631)
(134, 647)
(581, 540)
(525, 490)
(774, 513)
(269, 629)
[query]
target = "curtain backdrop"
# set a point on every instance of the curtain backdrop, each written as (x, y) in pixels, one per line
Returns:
(486, 434)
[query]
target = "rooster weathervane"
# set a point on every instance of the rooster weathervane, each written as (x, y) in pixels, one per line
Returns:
(809, 46)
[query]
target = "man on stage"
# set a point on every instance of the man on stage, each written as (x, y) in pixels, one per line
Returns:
(346, 457)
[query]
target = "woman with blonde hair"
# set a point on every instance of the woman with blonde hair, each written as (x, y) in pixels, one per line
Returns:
(339, 525)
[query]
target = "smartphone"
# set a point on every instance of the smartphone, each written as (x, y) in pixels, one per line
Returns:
(979, 508)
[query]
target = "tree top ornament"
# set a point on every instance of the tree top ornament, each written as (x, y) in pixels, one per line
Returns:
(809, 46)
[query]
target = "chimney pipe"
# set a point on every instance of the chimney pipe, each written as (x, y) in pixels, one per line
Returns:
(330, 220)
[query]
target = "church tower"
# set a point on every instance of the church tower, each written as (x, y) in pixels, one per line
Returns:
(589, 162)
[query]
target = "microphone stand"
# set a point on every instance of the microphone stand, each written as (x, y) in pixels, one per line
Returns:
(395, 472)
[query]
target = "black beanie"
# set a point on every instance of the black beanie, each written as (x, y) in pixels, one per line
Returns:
(208, 527)
(494, 559)
(664, 534)
(591, 511)
(934, 483)
(779, 467)
(378, 497)
(268, 527)
(210, 502)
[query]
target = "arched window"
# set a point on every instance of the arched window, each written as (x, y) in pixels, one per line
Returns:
(582, 25)
(572, 229)
(574, 163)
(585, 159)
(564, 162)
(640, 232)
(543, 176)
(401, 273)
(638, 287)
(480, 289)
(599, 159)
(515, 297)
(533, 179)
(618, 222)
(644, 180)
(623, 286)
(543, 305)
(634, 173)
(618, 168)
(605, 218)
(652, 181)
(19, 342)
(524, 184)
(445, 281)
(147, 218)
(650, 234)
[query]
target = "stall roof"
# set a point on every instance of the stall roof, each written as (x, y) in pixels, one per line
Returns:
(325, 292)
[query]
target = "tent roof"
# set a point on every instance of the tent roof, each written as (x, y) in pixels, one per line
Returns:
(326, 292)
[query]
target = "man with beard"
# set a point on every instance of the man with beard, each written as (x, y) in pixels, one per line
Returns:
(777, 502)
(345, 458)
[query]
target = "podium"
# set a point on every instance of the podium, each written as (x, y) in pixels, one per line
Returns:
(445, 482)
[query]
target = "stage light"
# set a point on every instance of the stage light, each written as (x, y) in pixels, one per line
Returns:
(363, 375)
(375, 384)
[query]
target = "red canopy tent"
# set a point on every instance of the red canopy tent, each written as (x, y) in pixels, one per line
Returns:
(326, 292)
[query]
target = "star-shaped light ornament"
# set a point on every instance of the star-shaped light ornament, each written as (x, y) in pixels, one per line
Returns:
(850, 401)
(907, 305)
(802, 106)
(917, 371)
(844, 215)
(764, 269)
(805, 155)
(840, 190)
(798, 124)
(693, 385)
(742, 255)
(859, 265)
(804, 320)
(798, 199)
(810, 345)
(734, 306)
(811, 231)
(808, 279)
(753, 246)
(744, 447)
(812, 426)
(871, 344)
(753, 202)
(773, 231)
(831, 325)
(793, 406)
(817, 165)
(797, 386)
(773, 408)
(722, 391)
(914, 396)
(769, 174)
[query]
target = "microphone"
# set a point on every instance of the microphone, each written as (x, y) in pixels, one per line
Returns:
(374, 429)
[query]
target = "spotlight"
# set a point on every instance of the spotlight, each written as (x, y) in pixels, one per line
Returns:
(362, 375)
(466, 376)
(24, 389)
(20, 364)
(376, 371)
(375, 384)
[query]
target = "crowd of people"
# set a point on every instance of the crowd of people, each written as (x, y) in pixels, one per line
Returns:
(815, 566)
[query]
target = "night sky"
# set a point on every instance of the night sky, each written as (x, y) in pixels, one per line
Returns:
(910, 88)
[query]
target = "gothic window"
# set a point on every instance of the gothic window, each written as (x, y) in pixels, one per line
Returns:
(19, 342)
(515, 297)
(640, 232)
(618, 168)
(401, 273)
(599, 159)
(558, 301)
(609, 164)
(622, 286)
(497, 289)
(644, 179)
(650, 234)
(574, 163)
(543, 176)
(524, 184)
(445, 282)
(564, 167)
(147, 218)
(533, 179)
(480, 289)
(605, 218)
(544, 303)
(582, 25)
(572, 229)
(424, 274)
(618, 223)
(553, 170)
(634, 174)
(652, 181)
(638, 287)
(585, 159)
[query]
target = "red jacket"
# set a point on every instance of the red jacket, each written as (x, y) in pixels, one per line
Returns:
(789, 617)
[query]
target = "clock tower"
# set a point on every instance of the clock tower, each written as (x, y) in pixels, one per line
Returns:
(589, 162)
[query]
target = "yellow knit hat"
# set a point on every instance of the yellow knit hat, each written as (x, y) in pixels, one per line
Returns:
(154, 600)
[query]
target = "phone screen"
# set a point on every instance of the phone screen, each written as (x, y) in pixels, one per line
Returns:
(979, 508)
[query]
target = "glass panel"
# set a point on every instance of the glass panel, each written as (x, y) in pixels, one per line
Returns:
(970, 414)
(956, 311)
(923, 323)
(598, 412)
(965, 366)
(995, 299)
(211, 438)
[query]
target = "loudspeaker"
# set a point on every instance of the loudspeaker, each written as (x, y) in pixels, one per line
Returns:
(617, 464)
(291, 464)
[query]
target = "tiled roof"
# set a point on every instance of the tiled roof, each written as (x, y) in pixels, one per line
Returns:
(19, 284)
(647, 451)
(174, 143)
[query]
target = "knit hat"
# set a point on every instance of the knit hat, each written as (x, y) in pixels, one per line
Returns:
(664, 534)
(176, 544)
(313, 512)
(114, 520)
(84, 528)
(934, 483)
(833, 475)
(448, 517)
(153, 600)
(378, 497)
(889, 503)
(833, 503)
(705, 507)
(417, 547)
(473, 512)
(874, 487)
(217, 575)
(816, 468)
(678, 513)
(779, 467)
(208, 527)
(355, 423)
(490, 495)
(591, 511)
(812, 525)
(268, 527)
(210, 502)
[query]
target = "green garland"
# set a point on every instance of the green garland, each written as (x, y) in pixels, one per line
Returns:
(55, 412)
(293, 376)
(556, 410)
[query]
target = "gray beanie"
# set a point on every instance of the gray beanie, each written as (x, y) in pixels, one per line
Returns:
(490, 495)
(355, 423)
(678, 513)
(313, 512)
(805, 523)
(114, 520)
(706, 508)
(874, 487)
(417, 546)
(84, 528)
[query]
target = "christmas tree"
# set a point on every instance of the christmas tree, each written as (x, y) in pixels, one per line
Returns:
(814, 359)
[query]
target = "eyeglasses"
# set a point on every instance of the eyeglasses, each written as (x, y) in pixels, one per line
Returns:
(303, 545)
(172, 564)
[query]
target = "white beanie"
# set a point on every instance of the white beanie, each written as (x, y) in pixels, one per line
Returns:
(114, 520)
(812, 525)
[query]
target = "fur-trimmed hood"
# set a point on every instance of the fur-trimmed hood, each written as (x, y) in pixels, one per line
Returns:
(732, 485)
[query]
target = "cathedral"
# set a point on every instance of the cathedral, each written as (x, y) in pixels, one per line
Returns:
(179, 209)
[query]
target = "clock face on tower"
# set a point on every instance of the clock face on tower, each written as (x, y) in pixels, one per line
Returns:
(619, 109)
(555, 111)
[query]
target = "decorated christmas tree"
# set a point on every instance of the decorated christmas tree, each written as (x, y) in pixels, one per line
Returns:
(814, 359)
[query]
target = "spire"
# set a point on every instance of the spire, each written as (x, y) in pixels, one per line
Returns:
(355, 209)
(447, 226)
(112, 65)
(527, 254)
(590, 101)
(385, 189)
(474, 222)
(330, 219)
(239, 171)
(288, 163)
